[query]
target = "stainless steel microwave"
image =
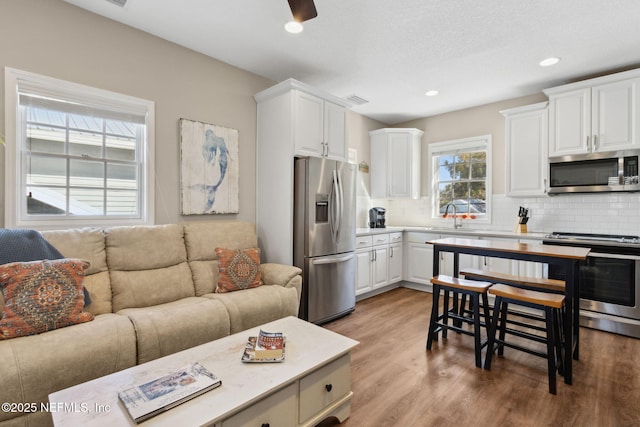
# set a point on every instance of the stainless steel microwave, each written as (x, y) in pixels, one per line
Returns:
(595, 172)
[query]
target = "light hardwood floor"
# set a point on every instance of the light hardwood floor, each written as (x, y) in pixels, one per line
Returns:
(397, 382)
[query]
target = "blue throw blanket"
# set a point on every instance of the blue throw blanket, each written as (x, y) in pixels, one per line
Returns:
(23, 245)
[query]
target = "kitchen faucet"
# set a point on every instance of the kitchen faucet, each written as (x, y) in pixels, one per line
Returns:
(455, 215)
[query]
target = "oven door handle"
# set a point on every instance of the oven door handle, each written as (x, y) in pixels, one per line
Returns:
(614, 256)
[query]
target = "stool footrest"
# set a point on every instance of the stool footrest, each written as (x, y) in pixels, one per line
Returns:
(521, 348)
(527, 335)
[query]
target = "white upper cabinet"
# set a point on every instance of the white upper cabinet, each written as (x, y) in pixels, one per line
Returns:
(526, 136)
(595, 115)
(335, 131)
(395, 163)
(319, 127)
(293, 119)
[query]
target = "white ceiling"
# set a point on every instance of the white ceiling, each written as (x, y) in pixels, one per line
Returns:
(390, 52)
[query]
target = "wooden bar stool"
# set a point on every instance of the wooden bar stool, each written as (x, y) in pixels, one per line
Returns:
(440, 322)
(532, 283)
(551, 304)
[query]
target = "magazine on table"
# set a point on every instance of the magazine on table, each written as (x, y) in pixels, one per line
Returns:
(266, 347)
(161, 394)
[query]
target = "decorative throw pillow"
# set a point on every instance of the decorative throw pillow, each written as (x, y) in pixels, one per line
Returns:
(238, 269)
(41, 296)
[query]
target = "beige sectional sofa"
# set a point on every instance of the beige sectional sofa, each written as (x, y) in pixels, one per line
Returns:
(153, 293)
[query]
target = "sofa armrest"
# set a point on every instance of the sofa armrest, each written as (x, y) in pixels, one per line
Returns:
(283, 275)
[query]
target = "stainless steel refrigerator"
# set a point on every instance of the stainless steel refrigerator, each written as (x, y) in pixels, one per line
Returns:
(324, 237)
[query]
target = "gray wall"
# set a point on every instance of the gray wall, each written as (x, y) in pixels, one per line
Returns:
(53, 38)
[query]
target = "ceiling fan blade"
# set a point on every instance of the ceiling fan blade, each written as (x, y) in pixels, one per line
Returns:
(303, 10)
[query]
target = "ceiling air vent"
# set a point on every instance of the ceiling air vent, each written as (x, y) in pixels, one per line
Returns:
(120, 3)
(355, 99)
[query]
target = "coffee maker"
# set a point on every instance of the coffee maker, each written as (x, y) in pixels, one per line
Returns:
(376, 217)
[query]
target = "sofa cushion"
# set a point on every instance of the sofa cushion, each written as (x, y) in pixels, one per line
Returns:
(87, 243)
(168, 328)
(36, 365)
(238, 269)
(41, 296)
(147, 265)
(253, 307)
(201, 238)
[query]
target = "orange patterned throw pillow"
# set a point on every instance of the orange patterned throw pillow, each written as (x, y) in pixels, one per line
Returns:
(41, 296)
(238, 269)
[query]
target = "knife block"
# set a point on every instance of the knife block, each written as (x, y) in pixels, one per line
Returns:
(521, 228)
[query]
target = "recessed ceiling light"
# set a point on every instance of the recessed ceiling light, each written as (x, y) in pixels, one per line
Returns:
(293, 27)
(549, 62)
(431, 93)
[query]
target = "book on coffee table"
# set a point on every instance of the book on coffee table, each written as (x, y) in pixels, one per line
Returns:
(161, 394)
(266, 347)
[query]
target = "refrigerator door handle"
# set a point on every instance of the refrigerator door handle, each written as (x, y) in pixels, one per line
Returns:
(335, 206)
(340, 207)
(333, 260)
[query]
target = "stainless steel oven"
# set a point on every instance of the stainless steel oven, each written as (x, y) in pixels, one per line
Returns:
(609, 280)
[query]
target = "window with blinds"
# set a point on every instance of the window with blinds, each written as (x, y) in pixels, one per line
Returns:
(461, 177)
(80, 154)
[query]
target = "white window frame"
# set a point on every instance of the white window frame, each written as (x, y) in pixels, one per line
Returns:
(15, 186)
(477, 143)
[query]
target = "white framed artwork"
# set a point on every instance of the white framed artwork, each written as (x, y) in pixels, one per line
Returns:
(208, 169)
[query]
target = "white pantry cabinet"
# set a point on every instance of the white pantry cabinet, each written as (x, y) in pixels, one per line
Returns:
(395, 163)
(294, 119)
(526, 138)
(595, 115)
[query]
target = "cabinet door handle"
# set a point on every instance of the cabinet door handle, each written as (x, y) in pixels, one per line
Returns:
(328, 387)
(390, 252)
(595, 142)
(588, 144)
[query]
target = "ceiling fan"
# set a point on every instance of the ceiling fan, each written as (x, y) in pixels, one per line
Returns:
(303, 10)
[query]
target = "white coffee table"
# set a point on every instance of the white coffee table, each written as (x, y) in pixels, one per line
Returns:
(311, 384)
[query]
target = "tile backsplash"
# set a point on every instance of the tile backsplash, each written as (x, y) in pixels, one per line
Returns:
(608, 213)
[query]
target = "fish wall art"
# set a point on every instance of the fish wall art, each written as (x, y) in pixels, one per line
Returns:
(208, 169)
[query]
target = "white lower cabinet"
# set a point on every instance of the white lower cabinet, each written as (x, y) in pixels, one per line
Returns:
(498, 265)
(531, 269)
(419, 257)
(380, 266)
(364, 258)
(419, 263)
(395, 261)
(378, 261)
